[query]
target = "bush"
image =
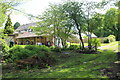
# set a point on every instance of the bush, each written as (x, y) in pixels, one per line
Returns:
(52, 47)
(44, 48)
(41, 60)
(18, 52)
(57, 49)
(38, 48)
(111, 38)
(106, 40)
(31, 56)
(74, 47)
(32, 48)
(95, 42)
(4, 47)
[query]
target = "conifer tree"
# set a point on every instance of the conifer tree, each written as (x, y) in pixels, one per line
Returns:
(16, 25)
(9, 29)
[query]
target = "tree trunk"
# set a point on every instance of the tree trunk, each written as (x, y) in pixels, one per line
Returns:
(80, 36)
(64, 44)
(89, 36)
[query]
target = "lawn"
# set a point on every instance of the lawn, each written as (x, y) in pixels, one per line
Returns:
(110, 46)
(73, 65)
(104, 46)
(85, 44)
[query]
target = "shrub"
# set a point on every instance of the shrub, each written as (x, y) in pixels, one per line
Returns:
(111, 38)
(95, 42)
(44, 48)
(4, 47)
(37, 48)
(106, 40)
(41, 60)
(52, 47)
(74, 47)
(57, 49)
(18, 52)
(16, 48)
(32, 48)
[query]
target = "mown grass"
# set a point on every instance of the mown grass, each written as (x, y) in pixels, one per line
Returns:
(73, 65)
(111, 46)
(119, 46)
(21, 45)
(85, 44)
(102, 44)
(105, 46)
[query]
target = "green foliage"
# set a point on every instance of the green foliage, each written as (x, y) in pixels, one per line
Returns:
(7, 6)
(33, 48)
(111, 38)
(85, 37)
(11, 44)
(74, 65)
(55, 22)
(111, 22)
(96, 23)
(16, 25)
(5, 47)
(30, 56)
(95, 42)
(106, 40)
(3, 9)
(52, 47)
(39, 60)
(44, 48)
(73, 10)
(18, 52)
(57, 49)
(37, 48)
(9, 29)
(74, 47)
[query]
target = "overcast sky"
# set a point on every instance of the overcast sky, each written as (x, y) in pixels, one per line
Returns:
(34, 7)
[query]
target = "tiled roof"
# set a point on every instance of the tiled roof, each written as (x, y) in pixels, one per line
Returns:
(26, 34)
(29, 34)
(26, 26)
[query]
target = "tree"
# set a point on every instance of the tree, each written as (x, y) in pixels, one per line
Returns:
(92, 20)
(97, 26)
(50, 22)
(16, 25)
(9, 29)
(89, 9)
(75, 14)
(119, 20)
(111, 22)
(56, 23)
(7, 6)
(3, 9)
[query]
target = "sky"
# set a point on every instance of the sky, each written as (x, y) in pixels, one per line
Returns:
(34, 7)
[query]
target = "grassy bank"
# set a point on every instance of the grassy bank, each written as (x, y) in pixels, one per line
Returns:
(73, 65)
